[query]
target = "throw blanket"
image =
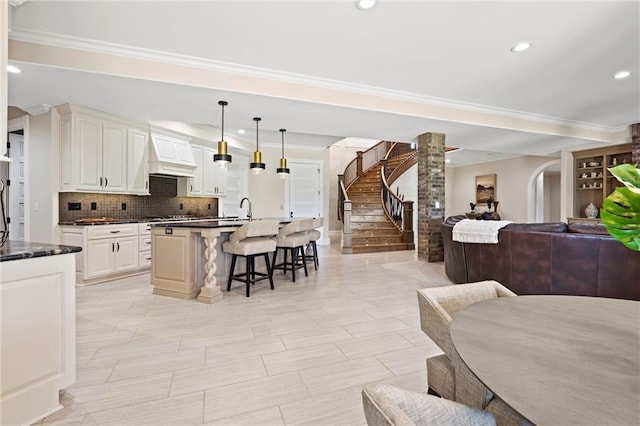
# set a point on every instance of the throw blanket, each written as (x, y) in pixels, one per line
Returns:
(478, 231)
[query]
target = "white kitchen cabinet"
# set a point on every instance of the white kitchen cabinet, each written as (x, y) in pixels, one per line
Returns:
(137, 162)
(108, 251)
(38, 329)
(210, 179)
(144, 245)
(100, 153)
(111, 255)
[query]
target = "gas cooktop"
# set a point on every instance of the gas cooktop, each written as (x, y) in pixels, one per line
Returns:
(177, 217)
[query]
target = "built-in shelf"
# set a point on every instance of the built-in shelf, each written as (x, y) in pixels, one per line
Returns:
(602, 159)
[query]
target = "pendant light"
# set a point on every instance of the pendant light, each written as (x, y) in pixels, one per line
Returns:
(257, 165)
(222, 158)
(283, 170)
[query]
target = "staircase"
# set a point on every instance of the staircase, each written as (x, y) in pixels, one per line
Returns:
(372, 230)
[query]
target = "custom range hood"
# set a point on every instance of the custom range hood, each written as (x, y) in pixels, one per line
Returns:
(170, 156)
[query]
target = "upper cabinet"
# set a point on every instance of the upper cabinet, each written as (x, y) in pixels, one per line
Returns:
(210, 179)
(137, 162)
(100, 154)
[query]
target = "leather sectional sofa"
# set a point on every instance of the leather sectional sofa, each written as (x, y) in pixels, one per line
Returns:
(547, 258)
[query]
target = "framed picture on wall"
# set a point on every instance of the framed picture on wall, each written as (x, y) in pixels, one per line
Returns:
(485, 188)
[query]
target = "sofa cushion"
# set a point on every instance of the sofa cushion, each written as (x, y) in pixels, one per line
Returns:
(587, 228)
(618, 270)
(538, 227)
(530, 262)
(574, 264)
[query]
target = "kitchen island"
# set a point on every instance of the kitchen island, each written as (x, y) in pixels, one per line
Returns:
(38, 329)
(187, 259)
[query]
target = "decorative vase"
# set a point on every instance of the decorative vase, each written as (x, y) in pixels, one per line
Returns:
(591, 211)
(495, 215)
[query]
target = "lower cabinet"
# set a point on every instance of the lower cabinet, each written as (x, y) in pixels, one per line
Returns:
(108, 251)
(110, 255)
(144, 245)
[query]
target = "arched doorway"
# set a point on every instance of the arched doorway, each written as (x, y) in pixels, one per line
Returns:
(543, 193)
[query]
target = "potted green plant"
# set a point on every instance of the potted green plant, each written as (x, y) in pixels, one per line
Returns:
(620, 213)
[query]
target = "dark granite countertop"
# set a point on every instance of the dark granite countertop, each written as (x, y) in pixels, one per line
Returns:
(215, 223)
(15, 250)
(99, 222)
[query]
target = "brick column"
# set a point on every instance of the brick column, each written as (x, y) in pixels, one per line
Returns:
(430, 195)
(635, 143)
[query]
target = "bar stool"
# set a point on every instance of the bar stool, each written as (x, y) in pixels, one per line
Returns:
(314, 235)
(250, 240)
(292, 238)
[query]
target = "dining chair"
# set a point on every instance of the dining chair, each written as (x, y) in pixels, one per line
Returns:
(256, 238)
(447, 374)
(386, 405)
(314, 235)
(291, 239)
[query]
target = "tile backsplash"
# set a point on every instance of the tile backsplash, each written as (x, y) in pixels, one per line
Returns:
(163, 201)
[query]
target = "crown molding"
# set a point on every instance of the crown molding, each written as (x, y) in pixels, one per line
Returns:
(78, 43)
(17, 3)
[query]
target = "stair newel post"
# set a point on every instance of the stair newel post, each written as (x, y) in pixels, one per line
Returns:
(347, 243)
(344, 210)
(407, 224)
(359, 163)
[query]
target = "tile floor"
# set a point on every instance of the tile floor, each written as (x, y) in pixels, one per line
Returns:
(296, 355)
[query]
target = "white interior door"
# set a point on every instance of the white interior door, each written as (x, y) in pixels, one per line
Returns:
(16, 190)
(305, 189)
(237, 188)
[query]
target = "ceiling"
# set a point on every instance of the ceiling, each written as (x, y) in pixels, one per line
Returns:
(327, 70)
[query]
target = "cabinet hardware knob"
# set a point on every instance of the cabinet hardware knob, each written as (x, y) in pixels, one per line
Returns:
(106, 182)
(113, 247)
(114, 232)
(118, 246)
(101, 181)
(148, 242)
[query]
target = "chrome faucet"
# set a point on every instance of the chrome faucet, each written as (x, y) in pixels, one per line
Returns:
(248, 212)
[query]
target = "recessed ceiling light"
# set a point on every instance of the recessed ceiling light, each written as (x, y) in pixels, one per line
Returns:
(13, 69)
(521, 47)
(241, 131)
(365, 4)
(622, 74)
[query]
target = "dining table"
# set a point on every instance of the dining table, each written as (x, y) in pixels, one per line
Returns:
(556, 360)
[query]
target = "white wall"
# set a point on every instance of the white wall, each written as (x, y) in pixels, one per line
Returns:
(340, 154)
(43, 165)
(512, 177)
(4, 49)
(268, 191)
(407, 184)
(552, 200)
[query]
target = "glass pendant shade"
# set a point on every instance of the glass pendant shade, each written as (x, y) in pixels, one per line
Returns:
(283, 170)
(222, 157)
(257, 166)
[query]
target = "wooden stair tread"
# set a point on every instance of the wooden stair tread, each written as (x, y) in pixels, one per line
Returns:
(372, 230)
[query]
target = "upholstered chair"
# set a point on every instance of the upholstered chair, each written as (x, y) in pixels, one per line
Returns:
(447, 375)
(314, 235)
(386, 405)
(256, 238)
(291, 239)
